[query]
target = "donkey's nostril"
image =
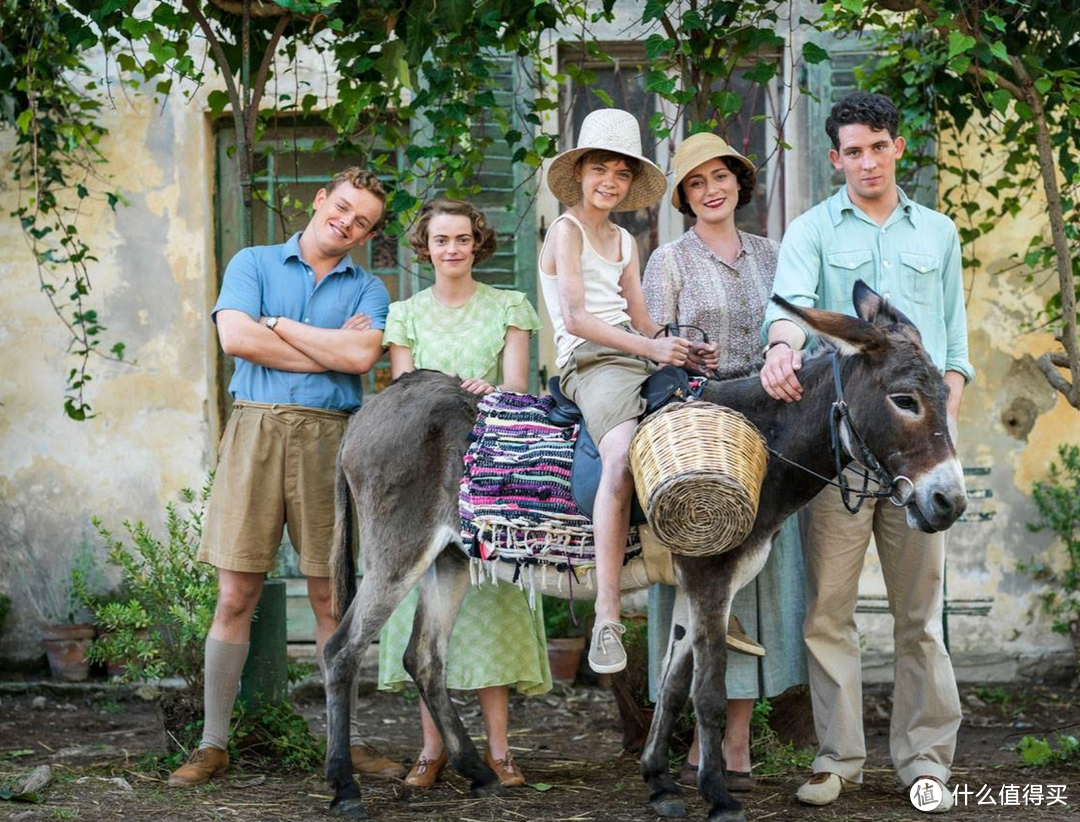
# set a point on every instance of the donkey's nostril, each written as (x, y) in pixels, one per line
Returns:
(942, 504)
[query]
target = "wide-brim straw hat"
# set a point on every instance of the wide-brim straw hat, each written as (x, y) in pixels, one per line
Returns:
(608, 129)
(698, 149)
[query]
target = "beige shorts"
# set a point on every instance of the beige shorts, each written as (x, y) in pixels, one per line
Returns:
(276, 469)
(606, 385)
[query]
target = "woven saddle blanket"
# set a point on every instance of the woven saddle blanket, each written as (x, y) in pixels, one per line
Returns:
(515, 499)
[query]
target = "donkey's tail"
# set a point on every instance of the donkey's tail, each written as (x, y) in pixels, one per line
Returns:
(342, 561)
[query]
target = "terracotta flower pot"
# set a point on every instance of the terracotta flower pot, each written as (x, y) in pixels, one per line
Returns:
(66, 647)
(564, 656)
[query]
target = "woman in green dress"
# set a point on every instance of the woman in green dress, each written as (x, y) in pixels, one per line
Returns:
(481, 334)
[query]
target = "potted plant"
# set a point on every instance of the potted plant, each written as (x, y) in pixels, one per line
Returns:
(66, 629)
(566, 630)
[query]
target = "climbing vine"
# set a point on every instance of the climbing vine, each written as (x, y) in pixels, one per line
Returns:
(398, 69)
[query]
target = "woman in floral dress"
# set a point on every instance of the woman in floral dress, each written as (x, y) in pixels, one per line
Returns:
(719, 279)
(464, 327)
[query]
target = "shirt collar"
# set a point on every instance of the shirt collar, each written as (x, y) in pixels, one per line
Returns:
(841, 202)
(747, 248)
(291, 249)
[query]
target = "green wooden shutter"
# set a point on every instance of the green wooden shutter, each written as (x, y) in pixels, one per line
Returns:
(829, 82)
(505, 200)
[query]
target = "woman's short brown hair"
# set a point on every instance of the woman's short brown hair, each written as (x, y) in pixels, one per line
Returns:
(746, 179)
(483, 233)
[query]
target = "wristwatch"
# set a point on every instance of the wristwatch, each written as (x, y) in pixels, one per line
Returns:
(765, 351)
(271, 322)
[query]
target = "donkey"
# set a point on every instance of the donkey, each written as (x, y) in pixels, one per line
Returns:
(402, 460)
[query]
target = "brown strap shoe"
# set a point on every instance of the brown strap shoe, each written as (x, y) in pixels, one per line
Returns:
(203, 764)
(510, 775)
(369, 762)
(426, 772)
(739, 640)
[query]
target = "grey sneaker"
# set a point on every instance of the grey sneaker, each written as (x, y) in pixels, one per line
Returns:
(606, 654)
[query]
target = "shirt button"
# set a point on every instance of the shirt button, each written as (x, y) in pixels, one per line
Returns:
(887, 296)
(886, 263)
(307, 319)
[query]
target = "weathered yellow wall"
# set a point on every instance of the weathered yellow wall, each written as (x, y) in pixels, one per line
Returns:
(152, 289)
(1012, 422)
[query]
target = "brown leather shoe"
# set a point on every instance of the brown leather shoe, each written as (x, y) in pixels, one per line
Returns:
(369, 762)
(688, 774)
(426, 772)
(510, 775)
(739, 640)
(203, 764)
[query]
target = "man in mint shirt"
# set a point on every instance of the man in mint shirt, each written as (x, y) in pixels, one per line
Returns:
(303, 322)
(910, 255)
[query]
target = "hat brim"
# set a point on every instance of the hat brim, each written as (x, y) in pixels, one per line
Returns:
(646, 190)
(676, 200)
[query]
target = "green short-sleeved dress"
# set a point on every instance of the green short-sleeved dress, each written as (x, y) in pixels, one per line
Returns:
(498, 639)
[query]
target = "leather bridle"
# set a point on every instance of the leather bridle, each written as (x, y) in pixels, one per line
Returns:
(888, 486)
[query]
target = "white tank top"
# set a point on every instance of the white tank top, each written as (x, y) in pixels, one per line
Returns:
(603, 295)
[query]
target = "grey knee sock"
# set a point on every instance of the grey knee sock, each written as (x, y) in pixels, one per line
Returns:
(224, 664)
(355, 737)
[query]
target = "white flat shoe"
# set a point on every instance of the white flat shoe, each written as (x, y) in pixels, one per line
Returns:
(824, 788)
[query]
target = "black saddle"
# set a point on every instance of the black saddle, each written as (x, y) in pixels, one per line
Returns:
(669, 384)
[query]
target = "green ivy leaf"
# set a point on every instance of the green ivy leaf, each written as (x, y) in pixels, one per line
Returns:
(813, 53)
(761, 73)
(1043, 85)
(1000, 100)
(959, 43)
(542, 787)
(24, 120)
(217, 100)
(998, 49)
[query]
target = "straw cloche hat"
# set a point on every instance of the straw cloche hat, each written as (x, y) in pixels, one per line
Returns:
(608, 129)
(698, 149)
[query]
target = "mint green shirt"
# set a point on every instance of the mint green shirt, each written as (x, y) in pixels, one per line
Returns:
(913, 261)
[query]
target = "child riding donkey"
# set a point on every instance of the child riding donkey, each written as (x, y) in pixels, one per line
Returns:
(607, 346)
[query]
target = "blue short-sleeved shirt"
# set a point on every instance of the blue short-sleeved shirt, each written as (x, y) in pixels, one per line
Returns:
(274, 281)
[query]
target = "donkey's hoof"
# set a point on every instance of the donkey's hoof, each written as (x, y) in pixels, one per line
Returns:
(727, 816)
(671, 807)
(348, 809)
(479, 790)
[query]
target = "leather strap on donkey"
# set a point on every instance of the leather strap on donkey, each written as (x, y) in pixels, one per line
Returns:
(669, 384)
(840, 420)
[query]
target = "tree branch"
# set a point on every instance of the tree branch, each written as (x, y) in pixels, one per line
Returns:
(1053, 376)
(268, 58)
(258, 8)
(222, 61)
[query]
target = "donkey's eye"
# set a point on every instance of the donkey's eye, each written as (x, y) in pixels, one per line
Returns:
(905, 402)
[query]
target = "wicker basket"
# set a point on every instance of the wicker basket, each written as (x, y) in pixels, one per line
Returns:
(698, 469)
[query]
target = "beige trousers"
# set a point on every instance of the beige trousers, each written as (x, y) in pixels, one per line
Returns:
(926, 706)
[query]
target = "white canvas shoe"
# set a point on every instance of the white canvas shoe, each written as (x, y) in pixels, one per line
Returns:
(824, 788)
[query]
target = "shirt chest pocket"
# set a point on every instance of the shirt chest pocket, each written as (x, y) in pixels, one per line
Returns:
(842, 269)
(920, 278)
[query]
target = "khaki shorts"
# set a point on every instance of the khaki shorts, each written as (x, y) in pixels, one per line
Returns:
(606, 385)
(276, 468)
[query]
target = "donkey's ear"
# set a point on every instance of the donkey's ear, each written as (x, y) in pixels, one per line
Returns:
(851, 335)
(872, 307)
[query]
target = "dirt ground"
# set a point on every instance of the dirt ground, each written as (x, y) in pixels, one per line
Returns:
(101, 746)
